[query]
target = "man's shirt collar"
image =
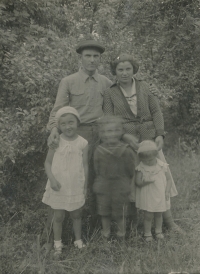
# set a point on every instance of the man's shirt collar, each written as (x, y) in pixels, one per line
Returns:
(85, 76)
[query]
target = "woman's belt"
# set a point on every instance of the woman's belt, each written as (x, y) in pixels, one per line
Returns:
(139, 120)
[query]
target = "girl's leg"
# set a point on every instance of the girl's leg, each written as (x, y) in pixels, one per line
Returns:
(148, 217)
(158, 225)
(77, 227)
(59, 216)
(106, 222)
(77, 222)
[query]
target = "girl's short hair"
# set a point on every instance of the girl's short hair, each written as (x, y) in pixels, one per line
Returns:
(123, 57)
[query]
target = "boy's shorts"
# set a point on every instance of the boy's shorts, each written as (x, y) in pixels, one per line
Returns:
(112, 205)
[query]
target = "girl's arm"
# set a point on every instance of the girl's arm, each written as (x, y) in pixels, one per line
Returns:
(55, 185)
(169, 185)
(139, 180)
(85, 166)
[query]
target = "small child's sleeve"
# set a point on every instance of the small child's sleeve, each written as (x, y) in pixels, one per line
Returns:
(83, 142)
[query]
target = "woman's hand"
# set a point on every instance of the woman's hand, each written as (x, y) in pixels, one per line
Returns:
(153, 89)
(159, 142)
(131, 140)
(55, 185)
(53, 139)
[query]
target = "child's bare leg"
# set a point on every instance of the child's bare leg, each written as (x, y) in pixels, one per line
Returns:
(148, 217)
(77, 226)
(106, 222)
(59, 216)
(158, 222)
(121, 225)
(77, 222)
(158, 225)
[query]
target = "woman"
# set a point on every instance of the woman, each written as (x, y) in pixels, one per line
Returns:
(130, 99)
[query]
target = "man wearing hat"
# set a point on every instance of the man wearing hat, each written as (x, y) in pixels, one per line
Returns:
(82, 90)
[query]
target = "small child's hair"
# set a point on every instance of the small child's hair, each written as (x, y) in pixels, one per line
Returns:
(147, 148)
(146, 154)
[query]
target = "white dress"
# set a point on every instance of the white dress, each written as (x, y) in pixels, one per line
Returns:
(67, 168)
(152, 197)
(173, 190)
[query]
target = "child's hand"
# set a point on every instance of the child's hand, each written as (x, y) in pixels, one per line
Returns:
(167, 196)
(55, 185)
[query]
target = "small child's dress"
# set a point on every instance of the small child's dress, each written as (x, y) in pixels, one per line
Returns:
(152, 197)
(67, 168)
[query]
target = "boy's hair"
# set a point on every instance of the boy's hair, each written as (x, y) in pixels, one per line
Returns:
(146, 154)
(109, 119)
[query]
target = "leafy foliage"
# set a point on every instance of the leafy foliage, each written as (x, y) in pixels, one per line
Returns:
(37, 50)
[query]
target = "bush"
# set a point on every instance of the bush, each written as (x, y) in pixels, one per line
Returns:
(37, 50)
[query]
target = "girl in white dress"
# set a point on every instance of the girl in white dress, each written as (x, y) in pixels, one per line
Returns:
(67, 171)
(153, 184)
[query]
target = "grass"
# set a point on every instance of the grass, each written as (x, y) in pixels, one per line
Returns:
(22, 250)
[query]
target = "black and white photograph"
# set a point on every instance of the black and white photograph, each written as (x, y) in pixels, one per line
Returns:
(99, 136)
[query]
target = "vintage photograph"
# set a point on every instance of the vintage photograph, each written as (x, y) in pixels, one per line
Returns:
(99, 136)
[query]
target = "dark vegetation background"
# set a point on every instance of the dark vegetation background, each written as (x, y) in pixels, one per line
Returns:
(37, 49)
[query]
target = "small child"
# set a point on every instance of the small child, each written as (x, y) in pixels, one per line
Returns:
(67, 171)
(114, 168)
(153, 184)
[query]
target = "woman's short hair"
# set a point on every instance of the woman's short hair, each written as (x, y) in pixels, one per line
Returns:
(123, 57)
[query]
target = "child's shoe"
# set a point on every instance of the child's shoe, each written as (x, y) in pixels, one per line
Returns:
(79, 244)
(148, 239)
(58, 250)
(159, 236)
(105, 237)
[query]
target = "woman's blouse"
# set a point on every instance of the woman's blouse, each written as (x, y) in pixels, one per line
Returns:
(132, 100)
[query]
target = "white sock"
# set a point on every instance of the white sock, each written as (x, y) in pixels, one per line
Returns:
(57, 243)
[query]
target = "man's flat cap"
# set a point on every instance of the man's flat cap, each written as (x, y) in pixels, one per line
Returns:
(84, 44)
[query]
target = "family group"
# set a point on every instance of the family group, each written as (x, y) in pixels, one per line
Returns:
(107, 138)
